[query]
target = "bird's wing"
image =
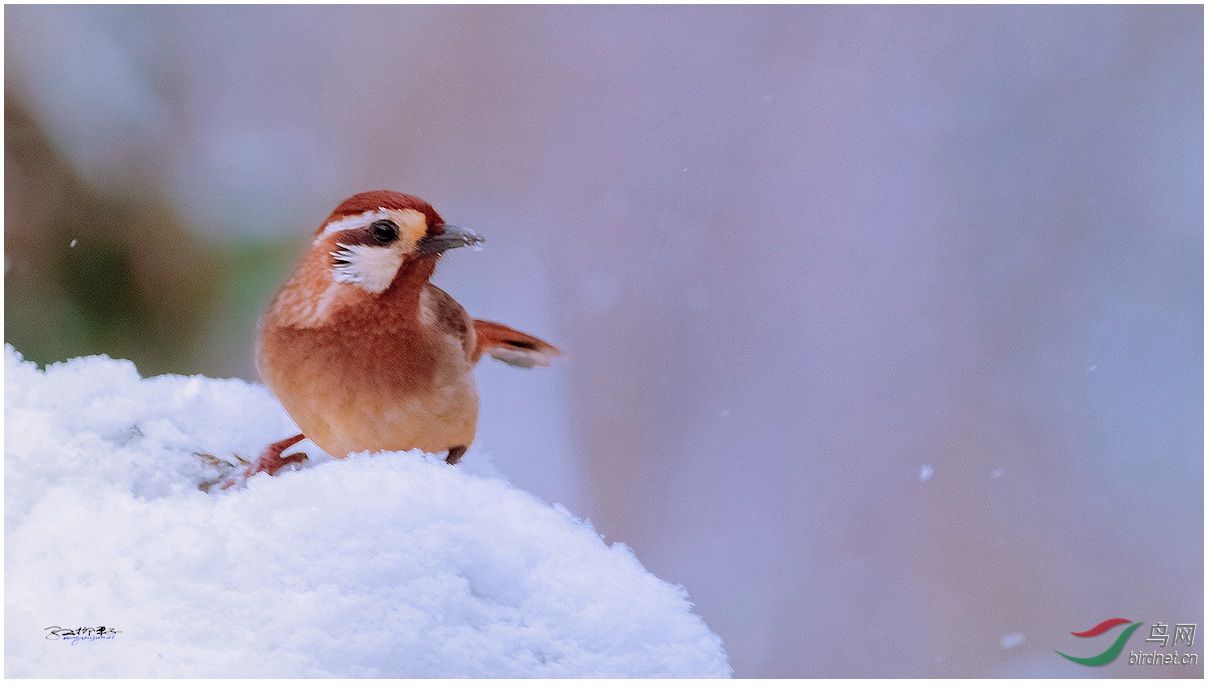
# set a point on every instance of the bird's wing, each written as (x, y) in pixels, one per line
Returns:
(513, 347)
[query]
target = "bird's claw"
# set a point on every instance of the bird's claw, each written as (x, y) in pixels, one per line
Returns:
(272, 462)
(234, 475)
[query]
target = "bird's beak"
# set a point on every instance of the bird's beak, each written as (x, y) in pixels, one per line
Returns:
(452, 238)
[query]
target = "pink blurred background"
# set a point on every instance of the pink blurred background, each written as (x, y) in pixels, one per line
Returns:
(883, 324)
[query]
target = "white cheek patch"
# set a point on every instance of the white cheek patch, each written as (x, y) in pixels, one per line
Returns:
(373, 267)
(369, 267)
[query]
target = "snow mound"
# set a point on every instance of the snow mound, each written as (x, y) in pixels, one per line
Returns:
(389, 565)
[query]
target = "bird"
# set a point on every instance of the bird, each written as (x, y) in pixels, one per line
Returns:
(364, 353)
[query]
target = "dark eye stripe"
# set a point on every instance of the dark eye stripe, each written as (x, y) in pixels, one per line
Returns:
(354, 236)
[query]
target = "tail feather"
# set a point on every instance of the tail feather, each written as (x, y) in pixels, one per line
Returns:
(513, 347)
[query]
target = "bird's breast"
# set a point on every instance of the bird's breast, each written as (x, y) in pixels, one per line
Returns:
(351, 391)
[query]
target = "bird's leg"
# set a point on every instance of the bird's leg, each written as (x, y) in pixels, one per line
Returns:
(271, 459)
(455, 455)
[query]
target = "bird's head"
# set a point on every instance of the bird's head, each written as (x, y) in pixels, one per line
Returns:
(373, 236)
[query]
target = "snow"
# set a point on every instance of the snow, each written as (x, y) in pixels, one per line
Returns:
(387, 565)
(1010, 641)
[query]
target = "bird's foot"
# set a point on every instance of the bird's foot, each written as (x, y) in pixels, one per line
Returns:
(271, 461)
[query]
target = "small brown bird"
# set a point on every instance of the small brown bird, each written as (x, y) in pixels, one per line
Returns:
(364, 353)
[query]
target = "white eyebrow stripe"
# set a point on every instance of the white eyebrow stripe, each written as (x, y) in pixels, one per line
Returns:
(353, 221)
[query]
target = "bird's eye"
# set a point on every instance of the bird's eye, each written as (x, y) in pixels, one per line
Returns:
(384, 231)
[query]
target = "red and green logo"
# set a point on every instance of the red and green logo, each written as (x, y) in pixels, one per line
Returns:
(1110, 654)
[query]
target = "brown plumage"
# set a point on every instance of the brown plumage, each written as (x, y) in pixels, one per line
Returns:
(364, 353)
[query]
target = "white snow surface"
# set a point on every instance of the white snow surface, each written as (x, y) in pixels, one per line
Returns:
(387, 565)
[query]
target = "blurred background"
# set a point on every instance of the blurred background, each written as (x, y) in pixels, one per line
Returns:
(883, 324)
